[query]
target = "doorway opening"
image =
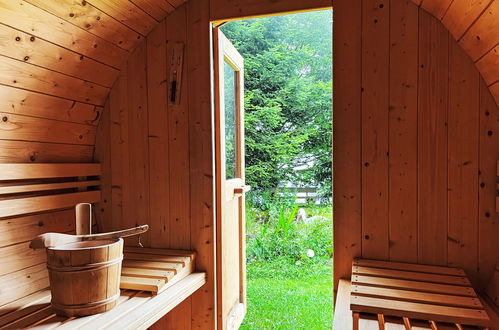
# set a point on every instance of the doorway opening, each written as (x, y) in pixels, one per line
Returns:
(288, 153)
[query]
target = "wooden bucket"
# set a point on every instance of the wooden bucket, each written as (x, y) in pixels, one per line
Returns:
(85, 276)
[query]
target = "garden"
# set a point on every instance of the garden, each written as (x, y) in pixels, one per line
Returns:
(288, 145)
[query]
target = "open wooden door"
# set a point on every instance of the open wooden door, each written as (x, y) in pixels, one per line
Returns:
(231, 224)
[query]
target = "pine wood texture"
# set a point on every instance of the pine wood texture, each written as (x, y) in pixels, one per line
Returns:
(474, 24)
(428, 299)
(85, 277)
(154, 270)
(414, 130)
(35, 199)
(134, 310)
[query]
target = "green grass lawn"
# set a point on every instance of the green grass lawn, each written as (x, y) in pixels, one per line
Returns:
(283, 295)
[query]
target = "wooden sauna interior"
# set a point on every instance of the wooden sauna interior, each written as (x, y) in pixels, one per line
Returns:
(416, 129)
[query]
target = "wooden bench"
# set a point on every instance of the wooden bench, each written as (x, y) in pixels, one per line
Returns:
(392, 295)
(39, 198)
(135, 309)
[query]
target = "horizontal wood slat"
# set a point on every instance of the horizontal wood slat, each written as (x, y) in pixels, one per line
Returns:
(24, 306)
(18, 45)
(41, 24)
(409, 267)
(127, 13)
(23, 229)
(23, 75)
(419, 311)
(19, 206)
(93, 20)
(19, 256)
(174, 267)
(140, 283)
(412, 285)
(41, 171)
(24, 128)
(47, 186)
(22, 102)
(37, 152)
(388, 273)
(404, 295)
(155, 257)
(21, 283)
(147, 273)
(167, 252)
(414, 295)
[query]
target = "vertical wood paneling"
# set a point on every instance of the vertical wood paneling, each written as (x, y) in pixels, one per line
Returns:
(119, 149)
(138, 136)
(201, 158)
(159, 202)
(347, 136)
(463, 161)
(178, 143)
(375, 86)
(103, 155)
(488, 218)
(403, 131)
(432, 141)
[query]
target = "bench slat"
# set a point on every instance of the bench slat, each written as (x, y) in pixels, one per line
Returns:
(43, 171)
(47, 186)
(13, 207)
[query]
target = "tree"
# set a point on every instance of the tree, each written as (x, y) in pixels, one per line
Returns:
(288, 102)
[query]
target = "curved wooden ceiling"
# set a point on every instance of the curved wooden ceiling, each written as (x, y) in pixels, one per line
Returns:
(59, 58)
(475, 25)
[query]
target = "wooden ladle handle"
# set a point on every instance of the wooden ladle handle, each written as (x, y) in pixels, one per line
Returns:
(115, 234)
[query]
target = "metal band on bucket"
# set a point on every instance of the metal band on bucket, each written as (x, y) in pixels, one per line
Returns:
(85, 268)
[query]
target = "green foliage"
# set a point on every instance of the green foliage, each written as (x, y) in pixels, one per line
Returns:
(287, 98)
(273, 232)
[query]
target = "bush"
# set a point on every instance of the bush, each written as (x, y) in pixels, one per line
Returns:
(272, 230)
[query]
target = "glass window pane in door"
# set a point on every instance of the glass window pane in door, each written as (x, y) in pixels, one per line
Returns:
(230, 121)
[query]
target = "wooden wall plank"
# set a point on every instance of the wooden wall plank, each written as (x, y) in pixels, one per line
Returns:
(45, 171)
(221, 10)
(30, 152)
(21, 283)
(156, 9)
(93, 20)
(138, 191)
(24, 128)
(201, 170)
(127, 13)
(494, 90)
(487, 66)
(19, 206)
(179, 147)
(102, 155)
(436, 8)
(18, 45)
(375, 85)
(488, 219)
(19, 256)
(24, 229)
(432, 141)
(461, 14)
(482, 35)
(403, 136)
(118, 103)
(463, 162)
(22, 102)
(157, 93)
(347, 136)
(22, 75)
(41, 24)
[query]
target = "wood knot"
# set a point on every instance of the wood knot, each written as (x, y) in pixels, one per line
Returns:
(32, 39)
